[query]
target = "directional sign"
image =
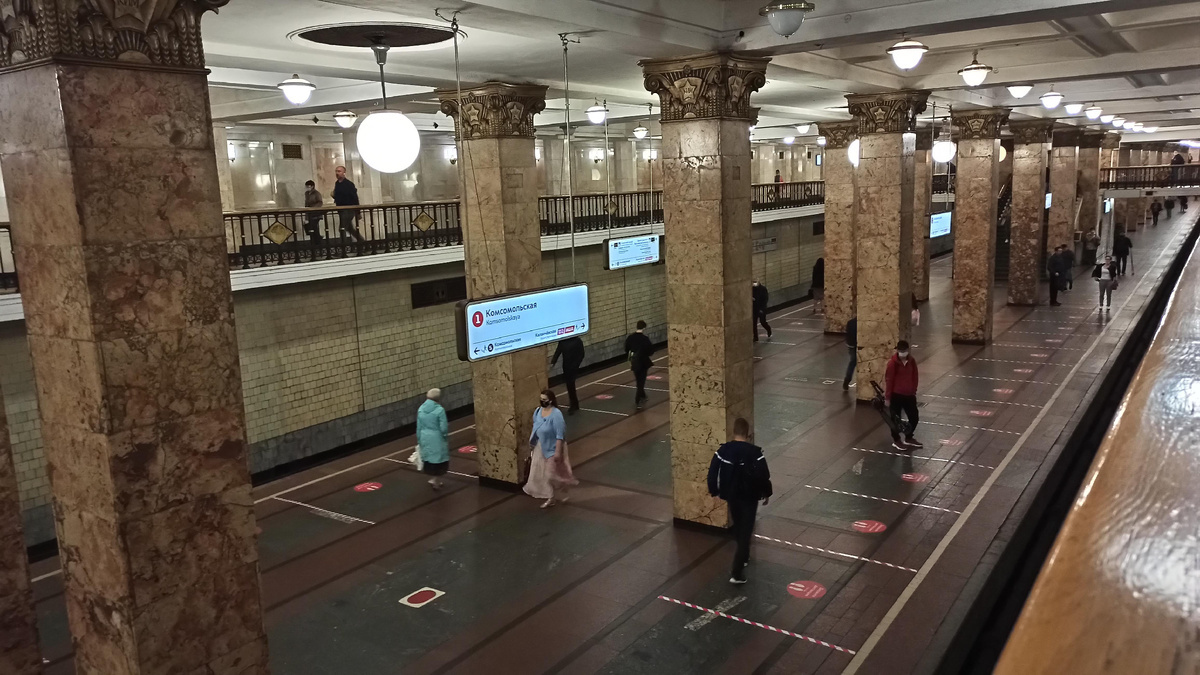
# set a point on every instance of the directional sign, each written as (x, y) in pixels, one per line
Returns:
(509, 323)
(633, 251)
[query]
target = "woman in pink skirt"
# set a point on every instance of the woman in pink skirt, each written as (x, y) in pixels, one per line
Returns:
(549, 468)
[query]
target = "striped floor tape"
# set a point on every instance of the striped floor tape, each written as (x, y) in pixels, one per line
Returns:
(835, 553)
(1037, 346)
(1002, 379)
(980, 400)
(934, 459)
(959, 426)
(883, 499)
(760, 625)
(1025, 363)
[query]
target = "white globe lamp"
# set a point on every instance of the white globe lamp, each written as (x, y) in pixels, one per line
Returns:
(1051, 99)
(596, 114)
(1019, 90)
(803, 128)
(388, 141)
(1093, 112)
(296, 89)
(788, 140)
(640, 132)
(975, 72)
(786, 16)
(821, 141)
(345, 119)
(906, 54)
(1073, 108)
(943, 151)
(1118, 122)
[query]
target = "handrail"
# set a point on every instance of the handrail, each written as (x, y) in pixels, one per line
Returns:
(1150, 177)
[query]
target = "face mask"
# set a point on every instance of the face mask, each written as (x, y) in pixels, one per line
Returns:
(545, 403)
(903, 355)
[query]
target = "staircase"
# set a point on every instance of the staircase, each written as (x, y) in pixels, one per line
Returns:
(1003, 230)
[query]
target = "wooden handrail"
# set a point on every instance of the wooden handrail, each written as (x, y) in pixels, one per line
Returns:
(1120, 591)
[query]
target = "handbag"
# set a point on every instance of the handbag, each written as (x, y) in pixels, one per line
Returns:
(415, 459)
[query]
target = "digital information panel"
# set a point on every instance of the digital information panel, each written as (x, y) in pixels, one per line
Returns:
(509, 323)
(939, 224)
(633, 251)
(1049, 199)
(1108, 205)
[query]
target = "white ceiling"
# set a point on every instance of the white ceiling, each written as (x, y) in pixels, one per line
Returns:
(1137, 58)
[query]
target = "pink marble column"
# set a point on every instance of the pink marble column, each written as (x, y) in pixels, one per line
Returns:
(1087, 185)
(19, 653)
(503, 239)
(840, 208)
(886, 126)
(922, 188)
(706, 203)
(109, 164)
(1031, 149)
(1127, 207)
(978, 181)
(1064, 166)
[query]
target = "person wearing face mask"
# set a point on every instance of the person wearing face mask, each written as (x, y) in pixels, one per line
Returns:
(549, 467)
(900, 394)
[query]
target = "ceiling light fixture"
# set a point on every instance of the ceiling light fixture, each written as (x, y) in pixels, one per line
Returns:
(296, 89)
(345, 119)
(1093, 112)
(788, 140)
(1051, 99)
(1149, 130)
(597, 113)
(1118, 122)
(640, 132)
(1019, 90)
(785, 16)
(1105, 119)
(803, 128)
(943, 151)
(1138, 126)
(1128, 125)
(1073, 108)
(975, 72)
(1003, 153)
(906, 54)
(852, 152)
(387, 140)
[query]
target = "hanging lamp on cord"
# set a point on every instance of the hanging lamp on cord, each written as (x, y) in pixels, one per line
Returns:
(974, 73)
(387, 140)
(943, 149)
(906, 54)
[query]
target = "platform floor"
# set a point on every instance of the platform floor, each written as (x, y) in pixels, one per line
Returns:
(865, 559)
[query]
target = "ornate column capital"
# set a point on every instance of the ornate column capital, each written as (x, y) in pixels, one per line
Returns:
(1029, 132)
(494, 109)
(1111, 141)
(707, 86)
(890, 113)
(924, 139)
(838, 134)
(753, 116)
(1067, 136)
(980, 123)
(1092, 138)
(152, 32)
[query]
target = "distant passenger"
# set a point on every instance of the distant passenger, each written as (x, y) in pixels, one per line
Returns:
(1183, 200)
(312, 225)
(1170, 204)
(571, 351)
(852, 345)
(1106, 275)
(1155, 209)
(738, 474)
(915, 315)
(1122, 247)
(433, 438)
(549, 468)
(759, 296)
(778, 176)
(1069, 258)
(639, 350)
(1056, 268)
(345, 193)
(818, 286)
(900, 394)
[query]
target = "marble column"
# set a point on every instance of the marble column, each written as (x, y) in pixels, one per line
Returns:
(840, 208)
(19, 654)
(886, 132)
(502, 237)
(1127, 207)
(706, 201)
(1087, 185)
(1144, 159)
(922, 189)
(1064, 167)
(978, 180)
(115, 204)
(1031, 149)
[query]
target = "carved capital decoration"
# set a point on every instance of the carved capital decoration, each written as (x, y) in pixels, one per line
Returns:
(494, 110)
(1029, 132)
(1111, 141)
(1067, 137)
(154, 32)
(709, 86)
(980, 124)
(892, 113)
(753, 118)
(1091, 138)
(838, 135)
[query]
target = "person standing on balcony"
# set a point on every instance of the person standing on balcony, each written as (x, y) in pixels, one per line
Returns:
(639, 349)
(312, 224)
(760, 295)
(778, 187)
(571, 351)
(345, 193)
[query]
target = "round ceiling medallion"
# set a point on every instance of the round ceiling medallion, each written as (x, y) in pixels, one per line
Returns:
(365, 35)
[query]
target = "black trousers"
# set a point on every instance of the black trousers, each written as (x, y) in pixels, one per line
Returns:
(639, 374)
(760, 316)
(346, 223)
(742, 512)
(1121, 261)
(572, 396)
(1055, 284)
(907, 405)
(313, 229)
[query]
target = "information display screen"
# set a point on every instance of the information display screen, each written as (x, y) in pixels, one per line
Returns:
(1049, 196)
(1108, 205)
(633, 251)
(501, 325)
(939, 224)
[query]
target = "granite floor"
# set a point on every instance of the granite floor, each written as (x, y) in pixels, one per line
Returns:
(864, 560)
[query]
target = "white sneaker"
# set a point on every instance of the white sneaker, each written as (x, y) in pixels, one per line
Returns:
(737, 581)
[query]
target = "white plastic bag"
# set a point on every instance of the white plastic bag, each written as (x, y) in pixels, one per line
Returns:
(415, 459)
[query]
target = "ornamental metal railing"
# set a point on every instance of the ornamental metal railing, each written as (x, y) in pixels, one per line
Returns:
(1150, 177)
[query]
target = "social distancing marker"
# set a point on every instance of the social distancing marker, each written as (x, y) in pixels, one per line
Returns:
(869, 526)
(604, 397)
(837, 553)
(1023, 371)
(1040, 355)
(881, 499)
(764, 626)
(1054, 341)
(654, 377)
(806, 590)
(468, 449)
(981, 413)
(915, 477)
(960, 426)
(368, 487)
(420, 598)
(706, 618)
(1003, 392)
(928, 458)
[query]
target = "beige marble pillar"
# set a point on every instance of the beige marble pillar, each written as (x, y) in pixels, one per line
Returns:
(1031, 150)
(502, 237)
(1064, 167)
(1145, 158)
(1087, 185)
(886, 126)
(1127, 207)
(706, 201)
(840, 208)
(19, 654)
(116, 211)
(922, 187)
(978, 180)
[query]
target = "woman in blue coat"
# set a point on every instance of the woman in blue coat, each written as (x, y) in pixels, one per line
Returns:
(433, 434)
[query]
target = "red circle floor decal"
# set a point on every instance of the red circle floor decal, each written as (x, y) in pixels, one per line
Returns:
(604, 397)
(869, 526)
(467, 449)
(367, 487)
(914, 477)
(807, 590)
(654, 377)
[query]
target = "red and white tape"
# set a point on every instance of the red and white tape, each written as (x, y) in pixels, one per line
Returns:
(960, 426)
(981, 400)
(925, 457)
(760, 625)
(882, 499)
(840, 555)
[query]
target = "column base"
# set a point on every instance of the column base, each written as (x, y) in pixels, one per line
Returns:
(497, 484)
(1010, 303)
(702, 527)
(968, 341)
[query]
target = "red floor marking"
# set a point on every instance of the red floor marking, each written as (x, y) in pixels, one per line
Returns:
(367, 487)
(806, 590)
(981, 413)
(760, 625)
(654, 377)
(869, 526)
(915, 477)
(1003, 391)
(422, 597)
(951, 441)
(468, 449)
(604, 397)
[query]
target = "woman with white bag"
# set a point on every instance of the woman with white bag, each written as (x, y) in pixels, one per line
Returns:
(433, 439)
(549, 468)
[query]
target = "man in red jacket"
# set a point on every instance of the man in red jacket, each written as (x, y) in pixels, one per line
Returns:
(900, 394)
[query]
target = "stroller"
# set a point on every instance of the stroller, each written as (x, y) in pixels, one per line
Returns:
(894, 423)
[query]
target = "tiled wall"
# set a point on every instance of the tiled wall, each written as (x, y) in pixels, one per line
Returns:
(327, 363)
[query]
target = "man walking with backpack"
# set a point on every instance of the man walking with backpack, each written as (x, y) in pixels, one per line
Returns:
(738, 474)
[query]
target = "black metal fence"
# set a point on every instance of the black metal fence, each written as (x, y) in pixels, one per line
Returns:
(771, 196)
(1150, 177)
(943, 184)
(600, 212)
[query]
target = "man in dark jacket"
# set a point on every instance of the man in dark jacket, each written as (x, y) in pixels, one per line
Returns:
(738, 474)
(760, 294)
(1122, 247)
(345, 193)
(900, 394)
(852, 345)
(1068, 253)
(571, 351)
(1057, 267)
(639, 350)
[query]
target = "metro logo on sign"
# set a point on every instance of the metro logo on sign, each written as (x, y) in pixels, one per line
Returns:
(566, 330)
(477, 319)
